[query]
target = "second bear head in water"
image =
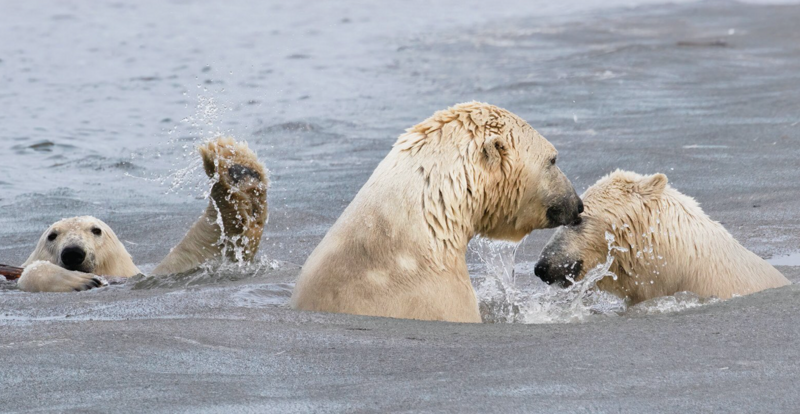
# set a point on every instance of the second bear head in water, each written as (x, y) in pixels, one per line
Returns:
(661, 242)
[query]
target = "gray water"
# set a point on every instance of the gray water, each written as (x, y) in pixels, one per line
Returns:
(105, 101)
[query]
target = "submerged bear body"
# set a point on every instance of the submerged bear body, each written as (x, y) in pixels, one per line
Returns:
(398, 250)
(72, 252)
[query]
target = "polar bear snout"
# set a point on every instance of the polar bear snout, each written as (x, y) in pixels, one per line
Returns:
(73, 258)
(562, 275)
(566, 213)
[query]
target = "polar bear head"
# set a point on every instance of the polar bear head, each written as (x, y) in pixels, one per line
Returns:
(486, 169)
(624, 205)
(84, 244)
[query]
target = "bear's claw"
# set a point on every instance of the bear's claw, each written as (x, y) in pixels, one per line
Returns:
(94, 282)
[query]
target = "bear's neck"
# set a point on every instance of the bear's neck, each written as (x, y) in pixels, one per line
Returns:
(677, 247)
(657, 249)
(407, 219)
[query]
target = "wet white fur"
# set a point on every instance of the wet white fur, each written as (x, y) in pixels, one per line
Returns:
(44, 276)
(672, 245)
(106, 252)
(231, 205)
(398, 250)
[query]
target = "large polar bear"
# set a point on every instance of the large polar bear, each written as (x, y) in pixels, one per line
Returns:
(72, 252)
(399, 248)
(664, 242)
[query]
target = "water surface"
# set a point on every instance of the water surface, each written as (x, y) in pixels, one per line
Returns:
(104, 103)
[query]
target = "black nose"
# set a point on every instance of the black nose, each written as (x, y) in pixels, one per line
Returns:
(545, 271)
(72, 257)
(542, 271)
(558, 274)
(577, 220)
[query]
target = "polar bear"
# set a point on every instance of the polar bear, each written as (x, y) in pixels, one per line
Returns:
(72, 252)
(664, 242)
(398, 250)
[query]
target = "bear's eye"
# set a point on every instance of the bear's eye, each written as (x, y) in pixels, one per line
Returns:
(553, 160)
(96, 231)
(52, 236)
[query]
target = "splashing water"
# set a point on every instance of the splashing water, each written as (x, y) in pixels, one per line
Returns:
(209, 273)
(202, 125)
(553, 304)
(186, 172)
(535, 302)
(497, 293)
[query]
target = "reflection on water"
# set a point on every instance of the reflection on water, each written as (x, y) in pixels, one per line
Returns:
(787, 260)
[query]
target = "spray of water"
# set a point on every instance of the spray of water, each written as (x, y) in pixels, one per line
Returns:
(506, 297)
(186, 173)
(209, 273)
(502, 299)
(201, 125)
(496, 291)
(578, 302)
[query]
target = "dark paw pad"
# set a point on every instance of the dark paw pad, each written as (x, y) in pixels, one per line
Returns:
(237, 172)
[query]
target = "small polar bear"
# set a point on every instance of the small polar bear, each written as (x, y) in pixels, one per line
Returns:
(399, 248)
(73, 252)
(665, 244)
(70, 255)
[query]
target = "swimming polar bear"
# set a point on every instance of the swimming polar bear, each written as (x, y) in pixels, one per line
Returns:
(665, 244)
(399, 248)
(72, 252)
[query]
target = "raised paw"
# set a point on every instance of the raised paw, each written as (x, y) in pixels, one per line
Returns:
(238, 196)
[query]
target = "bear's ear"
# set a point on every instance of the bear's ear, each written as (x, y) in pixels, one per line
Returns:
(494, 150)
(652, 186)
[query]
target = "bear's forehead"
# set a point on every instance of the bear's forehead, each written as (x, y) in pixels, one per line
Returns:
(600, 197)
(76, 224)
(613, 183)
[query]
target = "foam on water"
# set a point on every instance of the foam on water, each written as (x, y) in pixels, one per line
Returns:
(209, 273)
(668, 304)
